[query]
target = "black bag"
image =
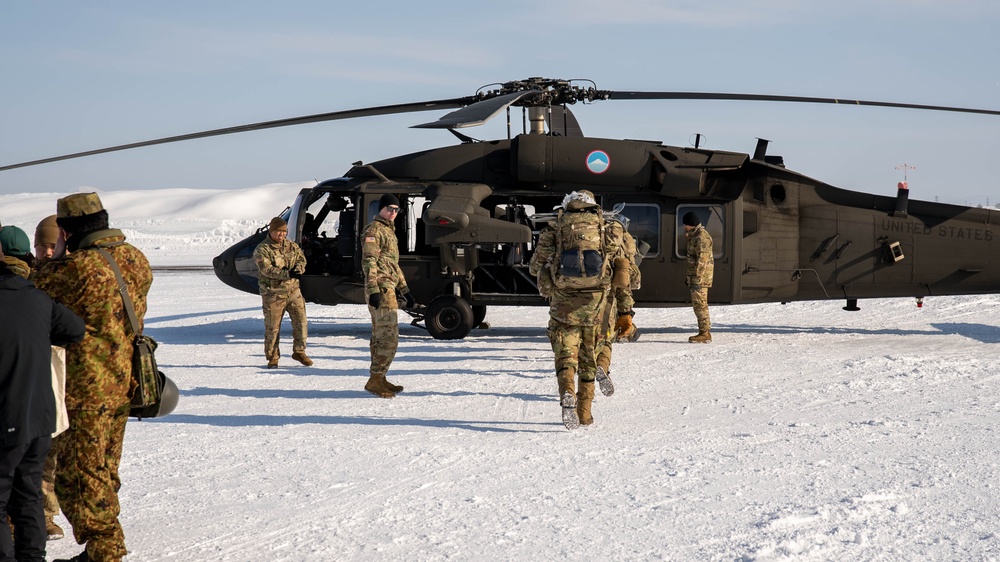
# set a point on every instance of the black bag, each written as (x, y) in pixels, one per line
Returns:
(147, 380)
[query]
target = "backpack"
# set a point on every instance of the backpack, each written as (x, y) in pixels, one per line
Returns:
(634, 257)
(583, 252)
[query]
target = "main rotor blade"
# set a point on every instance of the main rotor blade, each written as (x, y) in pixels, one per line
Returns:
(795, 99)
(477, 113)
(317, 118)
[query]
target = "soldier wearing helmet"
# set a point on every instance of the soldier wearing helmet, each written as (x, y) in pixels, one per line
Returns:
(572, 262)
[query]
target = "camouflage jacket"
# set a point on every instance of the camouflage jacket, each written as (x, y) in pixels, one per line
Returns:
(274, 262)
(99, 368)
(701, 262)
(575, 308)
(380, 257)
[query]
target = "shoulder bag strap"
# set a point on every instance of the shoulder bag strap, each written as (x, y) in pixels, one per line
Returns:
(129, 309)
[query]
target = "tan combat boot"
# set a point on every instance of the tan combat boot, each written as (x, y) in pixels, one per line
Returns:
(52, 530)
(395, 388)
(584, 397)
(704, 336)
(376, 385)
(567, 398)
(301, 357)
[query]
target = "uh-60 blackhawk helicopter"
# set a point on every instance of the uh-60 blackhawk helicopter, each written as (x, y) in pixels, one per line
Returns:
(471, 212)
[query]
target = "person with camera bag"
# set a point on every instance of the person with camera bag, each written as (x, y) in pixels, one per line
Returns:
(98, 369)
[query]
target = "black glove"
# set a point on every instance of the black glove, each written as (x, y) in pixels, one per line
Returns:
(695, 287)
(292, 274)
(408, 300)
(375, 300)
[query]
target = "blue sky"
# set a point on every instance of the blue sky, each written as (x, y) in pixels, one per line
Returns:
(84, 75)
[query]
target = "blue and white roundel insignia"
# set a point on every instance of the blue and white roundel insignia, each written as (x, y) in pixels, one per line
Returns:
(598, 162)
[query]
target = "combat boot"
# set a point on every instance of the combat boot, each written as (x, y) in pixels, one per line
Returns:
(301, 357)
(272, 363)
(53, 531)
(567, 398)
(584, 397)
(704, 336)
(376, 385)
(604, 380)
(395, 388)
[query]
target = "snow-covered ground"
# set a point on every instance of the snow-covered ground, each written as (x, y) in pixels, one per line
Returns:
(802, 432)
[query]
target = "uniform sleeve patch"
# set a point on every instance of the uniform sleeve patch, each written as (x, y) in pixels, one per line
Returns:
(369, 239)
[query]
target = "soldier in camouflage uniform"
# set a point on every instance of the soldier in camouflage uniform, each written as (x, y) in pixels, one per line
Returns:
(701, 269)
(384, 283)
(622, 302)
(46, 239)
(281, 264)
(98, 370)
(576, 317)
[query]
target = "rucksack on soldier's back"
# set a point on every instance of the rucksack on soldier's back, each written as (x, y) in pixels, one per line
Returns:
(583, 259)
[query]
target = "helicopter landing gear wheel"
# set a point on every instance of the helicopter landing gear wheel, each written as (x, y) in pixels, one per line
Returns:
(448, 317)
(478, 315)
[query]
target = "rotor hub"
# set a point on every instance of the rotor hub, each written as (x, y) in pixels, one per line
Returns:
(549, 91)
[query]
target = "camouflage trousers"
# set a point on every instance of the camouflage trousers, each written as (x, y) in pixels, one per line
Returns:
(49, 499)
(87, 481)
(275, 306)
(699, 301)
(604, 354)
(574, 348)
(385, 333)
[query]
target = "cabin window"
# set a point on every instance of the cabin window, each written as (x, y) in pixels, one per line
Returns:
(644, 225)
(712, 218)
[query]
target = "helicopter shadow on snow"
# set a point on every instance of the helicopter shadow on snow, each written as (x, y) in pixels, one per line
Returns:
(983, 333)
(262, 420)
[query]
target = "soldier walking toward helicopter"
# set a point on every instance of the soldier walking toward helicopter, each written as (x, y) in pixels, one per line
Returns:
(573, 263)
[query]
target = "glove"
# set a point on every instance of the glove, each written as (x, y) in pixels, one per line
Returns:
(408, 300)
(375, 300)
(695, 287)
(292, 274)
(624, 323)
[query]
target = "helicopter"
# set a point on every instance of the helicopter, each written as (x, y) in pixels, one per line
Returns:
(471, 212)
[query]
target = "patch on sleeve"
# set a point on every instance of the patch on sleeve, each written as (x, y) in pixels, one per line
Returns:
(369, 239)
